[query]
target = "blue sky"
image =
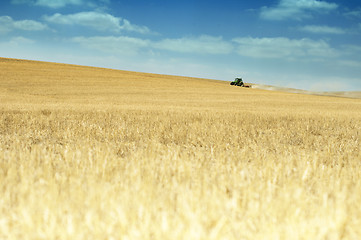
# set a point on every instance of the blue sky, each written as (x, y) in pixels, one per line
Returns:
(306, 44)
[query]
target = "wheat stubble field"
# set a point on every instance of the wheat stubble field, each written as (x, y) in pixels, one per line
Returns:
(91, 153)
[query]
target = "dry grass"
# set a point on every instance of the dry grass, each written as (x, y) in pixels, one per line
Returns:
(89, 153)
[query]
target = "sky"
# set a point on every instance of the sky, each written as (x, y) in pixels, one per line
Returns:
(305, 44)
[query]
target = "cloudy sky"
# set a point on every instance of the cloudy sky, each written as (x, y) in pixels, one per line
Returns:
(307, 44)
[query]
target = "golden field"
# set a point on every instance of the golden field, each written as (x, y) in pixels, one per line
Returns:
(92, 153)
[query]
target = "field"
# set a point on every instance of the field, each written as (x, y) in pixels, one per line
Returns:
(92, 153)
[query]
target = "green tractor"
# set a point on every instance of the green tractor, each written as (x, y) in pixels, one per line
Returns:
(239, 82)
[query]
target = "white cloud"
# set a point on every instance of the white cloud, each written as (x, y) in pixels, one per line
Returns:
(58, 3)
(15, 43)
(263, 48)
(322, 29)
(21, 40)
(350, 63)
(354, 13)
(296, 9)
(97, 20)
(114, 45)
(283, 48)
(55, 3)
(351, 50)
(134, 28)
(202, 44)
(131, 46)
(7, 24)
(29, 25)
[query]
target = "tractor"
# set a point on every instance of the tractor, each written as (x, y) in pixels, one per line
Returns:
(239, 82)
